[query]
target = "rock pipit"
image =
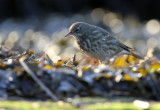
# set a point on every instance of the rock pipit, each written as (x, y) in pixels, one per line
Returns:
(97, 42)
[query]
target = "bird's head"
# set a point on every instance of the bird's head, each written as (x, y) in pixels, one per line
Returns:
(78, 30)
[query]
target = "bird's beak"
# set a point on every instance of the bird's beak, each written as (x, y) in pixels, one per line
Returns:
(69, 34)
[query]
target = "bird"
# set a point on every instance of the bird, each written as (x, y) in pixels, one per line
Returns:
(97, 42)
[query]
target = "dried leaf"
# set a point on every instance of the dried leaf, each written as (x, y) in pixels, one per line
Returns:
(48, 67)
(59, 63)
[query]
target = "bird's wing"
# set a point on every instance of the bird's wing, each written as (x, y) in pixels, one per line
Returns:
(123, 46)
(112, 39)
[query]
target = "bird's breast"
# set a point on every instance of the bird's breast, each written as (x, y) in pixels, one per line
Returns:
(91, 48)
(84, 45)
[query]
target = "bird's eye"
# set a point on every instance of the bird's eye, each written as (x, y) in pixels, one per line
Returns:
(77, 30)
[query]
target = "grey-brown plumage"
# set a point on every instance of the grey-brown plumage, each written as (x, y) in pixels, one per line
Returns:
(97, 42)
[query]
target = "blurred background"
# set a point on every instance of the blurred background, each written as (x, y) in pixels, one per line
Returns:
(40, 25)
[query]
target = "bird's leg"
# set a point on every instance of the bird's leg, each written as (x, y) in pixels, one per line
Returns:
(113, 59)
(106, 60)
(99, 62)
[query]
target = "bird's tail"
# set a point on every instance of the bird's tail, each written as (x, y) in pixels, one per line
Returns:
(137, 56)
